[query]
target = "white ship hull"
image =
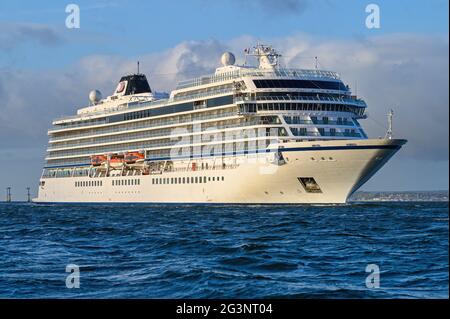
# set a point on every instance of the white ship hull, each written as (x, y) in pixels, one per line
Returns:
(338, 167)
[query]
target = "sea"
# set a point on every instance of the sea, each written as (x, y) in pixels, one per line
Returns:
(379, 245)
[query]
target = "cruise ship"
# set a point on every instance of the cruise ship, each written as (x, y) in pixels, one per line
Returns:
(255, 133)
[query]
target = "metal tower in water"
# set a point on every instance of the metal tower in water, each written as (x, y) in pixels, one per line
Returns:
(8, 194)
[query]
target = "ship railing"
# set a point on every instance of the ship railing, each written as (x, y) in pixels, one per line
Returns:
(294, 98)
(327, 134)
(319, 122)
(202, 95)
(199, 169)
(70, 172)
(253, 72)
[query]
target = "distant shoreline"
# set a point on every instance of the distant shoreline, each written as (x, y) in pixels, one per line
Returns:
(400, 196)
(366, 196)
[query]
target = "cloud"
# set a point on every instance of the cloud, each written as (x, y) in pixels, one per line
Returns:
(164, 69)
(406, 72)
(13, 35)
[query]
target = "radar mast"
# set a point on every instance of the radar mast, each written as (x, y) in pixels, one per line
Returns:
(267, 56)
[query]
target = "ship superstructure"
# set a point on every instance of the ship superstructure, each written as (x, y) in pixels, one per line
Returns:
(246, 134)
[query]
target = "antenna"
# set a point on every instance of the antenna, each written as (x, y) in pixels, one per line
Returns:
(137, 67)
(389, 130)
(315, 58)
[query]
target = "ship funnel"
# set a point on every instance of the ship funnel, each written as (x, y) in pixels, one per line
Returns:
(133, 84)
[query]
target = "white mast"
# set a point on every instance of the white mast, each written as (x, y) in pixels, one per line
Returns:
(267, 57)
(389, 130)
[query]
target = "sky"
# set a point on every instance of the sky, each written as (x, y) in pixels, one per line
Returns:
(47, 69)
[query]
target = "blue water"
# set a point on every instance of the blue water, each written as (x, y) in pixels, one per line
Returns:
(186, 251)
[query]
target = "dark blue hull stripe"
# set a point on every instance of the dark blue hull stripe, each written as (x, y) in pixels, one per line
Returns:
(291, 149)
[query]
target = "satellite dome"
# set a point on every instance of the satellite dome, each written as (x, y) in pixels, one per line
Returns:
(227, 59)
(95, 96)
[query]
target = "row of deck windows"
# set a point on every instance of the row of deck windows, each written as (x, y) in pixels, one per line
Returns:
(149, 134)
(167, 109)
(126, 182)
(314, 120)
(302, 131)
(186, 180)
(88, 183)
(302, 84)
(175, 119)
(317, 107)
(163, 142)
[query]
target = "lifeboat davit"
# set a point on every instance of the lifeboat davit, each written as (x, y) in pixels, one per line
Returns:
(134, 157)
(97, 160)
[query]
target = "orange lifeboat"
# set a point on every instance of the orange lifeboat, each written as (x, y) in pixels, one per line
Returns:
(133, 157)
(97, 160)
(116, 160)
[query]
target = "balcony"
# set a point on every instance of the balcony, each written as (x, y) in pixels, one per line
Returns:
(144, 124)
